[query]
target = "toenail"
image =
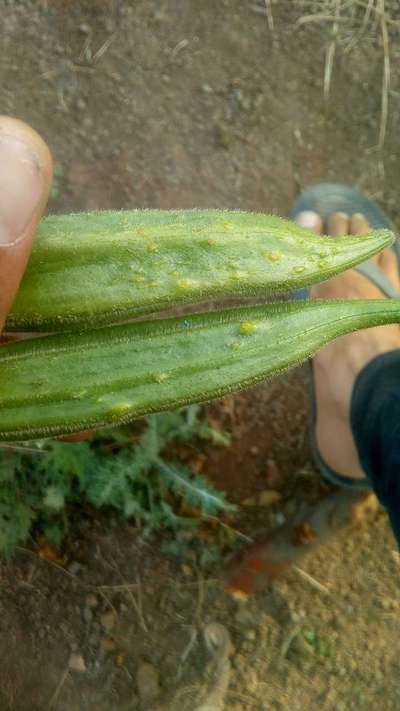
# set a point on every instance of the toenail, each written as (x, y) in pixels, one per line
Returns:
(359, 224)
(308, 219)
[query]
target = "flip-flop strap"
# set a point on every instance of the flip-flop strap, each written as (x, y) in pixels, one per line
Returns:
(372, 272)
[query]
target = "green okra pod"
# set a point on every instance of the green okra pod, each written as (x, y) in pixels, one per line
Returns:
(63, 383)
(106, 267)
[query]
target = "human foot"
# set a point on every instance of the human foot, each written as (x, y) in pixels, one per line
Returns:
(336, 366)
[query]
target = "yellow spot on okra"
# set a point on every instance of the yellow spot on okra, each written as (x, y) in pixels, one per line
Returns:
(274, 256)
(121, 408)
(79, 395)
(187, 283)
(299, 269)
(247, 328)
(237, 276)
(160, 377)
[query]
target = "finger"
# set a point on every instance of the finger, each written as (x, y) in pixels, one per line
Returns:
(25, 180)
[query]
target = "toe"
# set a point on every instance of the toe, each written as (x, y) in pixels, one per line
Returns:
(337, 224)
(359, 224)
(387, 261)
(310, 220)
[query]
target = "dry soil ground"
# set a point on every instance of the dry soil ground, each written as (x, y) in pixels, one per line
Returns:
(197, 103)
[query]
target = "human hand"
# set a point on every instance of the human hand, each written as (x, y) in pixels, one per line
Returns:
(26, 171)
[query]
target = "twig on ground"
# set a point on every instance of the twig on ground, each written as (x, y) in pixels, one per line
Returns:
(288, 641)
(364, 25)
(313, 582)
(229, 528)
(104, 47)
(306, 19)
(57, 691)
(101, 589)
(192, 641)
(116, 588)
(137, 604)
(108, 602)
(270, 17)
(218, 643)
(378, 12)
(330, 53)
(200, 599)
(386, 77)
(20, 549)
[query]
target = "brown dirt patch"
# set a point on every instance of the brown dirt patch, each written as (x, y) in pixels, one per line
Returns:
(181, 104)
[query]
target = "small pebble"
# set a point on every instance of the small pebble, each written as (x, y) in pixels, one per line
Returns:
(250, 635)
(77, 663)
(74, 568)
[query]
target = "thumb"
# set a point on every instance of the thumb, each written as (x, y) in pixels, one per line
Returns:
(25, 180)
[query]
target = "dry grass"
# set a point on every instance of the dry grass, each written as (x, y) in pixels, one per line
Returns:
(348, 23)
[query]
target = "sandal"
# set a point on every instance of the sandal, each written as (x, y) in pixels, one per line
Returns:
(324, 199)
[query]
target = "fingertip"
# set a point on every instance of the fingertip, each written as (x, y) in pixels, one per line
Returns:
(26, 170)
